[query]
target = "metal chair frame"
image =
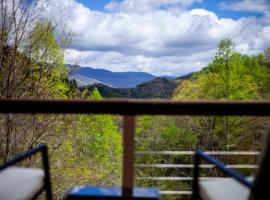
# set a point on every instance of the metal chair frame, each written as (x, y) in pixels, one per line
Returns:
(201, 155)
(45, 162)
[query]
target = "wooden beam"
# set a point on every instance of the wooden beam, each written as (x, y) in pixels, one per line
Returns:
(128, 156)
(137, 107)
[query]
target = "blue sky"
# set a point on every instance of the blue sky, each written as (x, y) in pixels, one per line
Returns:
(95, 4)
(214, 5)
(161, 37)
(211, 5)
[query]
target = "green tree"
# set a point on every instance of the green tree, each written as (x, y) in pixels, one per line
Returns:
(230, 76)
(92, 144)
(267, 57)
(35, 70)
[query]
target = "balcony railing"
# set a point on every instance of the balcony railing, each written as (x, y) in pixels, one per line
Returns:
(129, 109)
(189, 179)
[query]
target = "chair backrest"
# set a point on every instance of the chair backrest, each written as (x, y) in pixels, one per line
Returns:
(262, 178)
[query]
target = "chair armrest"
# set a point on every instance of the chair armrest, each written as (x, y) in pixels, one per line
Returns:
(20, 157)
(222, 167)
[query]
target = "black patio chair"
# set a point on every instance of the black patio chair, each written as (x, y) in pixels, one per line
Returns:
(236, 187)
(20, 183)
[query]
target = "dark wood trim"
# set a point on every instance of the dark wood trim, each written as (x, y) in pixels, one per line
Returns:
(137, 107)
(128, 156)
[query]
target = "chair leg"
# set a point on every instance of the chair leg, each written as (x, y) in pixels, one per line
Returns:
(47, 180)
(48, 192)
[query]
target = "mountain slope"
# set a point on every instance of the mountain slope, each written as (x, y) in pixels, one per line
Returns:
(83, 80)
(157, 88)
(87, 76)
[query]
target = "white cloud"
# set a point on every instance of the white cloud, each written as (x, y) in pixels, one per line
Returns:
(147, 5)
(257, 6)
(160, 41)
(166, 65)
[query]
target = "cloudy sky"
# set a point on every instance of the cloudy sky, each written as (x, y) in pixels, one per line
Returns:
(162, 37)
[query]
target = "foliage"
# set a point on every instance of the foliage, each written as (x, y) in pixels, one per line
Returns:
(230, 76)
(92, 147)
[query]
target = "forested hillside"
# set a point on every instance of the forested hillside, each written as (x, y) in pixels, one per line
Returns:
(161, 88)
(87, 149)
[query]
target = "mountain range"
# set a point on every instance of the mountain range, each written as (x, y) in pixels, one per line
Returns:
(125, 84)
(89, 76)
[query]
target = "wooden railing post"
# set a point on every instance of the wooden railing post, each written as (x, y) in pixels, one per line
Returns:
(128, 156)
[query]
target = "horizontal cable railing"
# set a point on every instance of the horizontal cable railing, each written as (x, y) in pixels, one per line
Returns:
(188, 166)
(129, 109)
(182, 166)
(241, 153)
(176, 178)
(165, 192)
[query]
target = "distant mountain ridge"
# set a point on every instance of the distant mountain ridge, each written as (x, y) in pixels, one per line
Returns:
(160, 88)
(126, 84)
(89, 76)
